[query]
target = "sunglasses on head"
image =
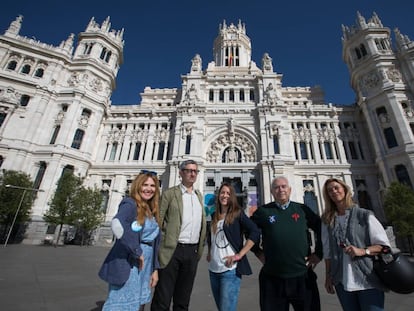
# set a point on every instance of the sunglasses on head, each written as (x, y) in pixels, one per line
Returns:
(147, 172)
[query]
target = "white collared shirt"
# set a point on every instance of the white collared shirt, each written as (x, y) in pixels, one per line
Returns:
(192, 217)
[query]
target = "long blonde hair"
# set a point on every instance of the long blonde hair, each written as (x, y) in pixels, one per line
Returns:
(145, 208)
(328, 215)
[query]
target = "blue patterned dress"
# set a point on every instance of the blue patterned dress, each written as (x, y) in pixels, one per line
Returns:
(136, 291)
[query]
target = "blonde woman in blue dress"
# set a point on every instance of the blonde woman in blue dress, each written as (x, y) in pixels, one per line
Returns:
(131, 267)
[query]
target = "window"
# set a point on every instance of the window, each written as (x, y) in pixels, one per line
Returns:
(77, 139)
(303, 151)
(353, 151)
(161, 148)
(231, 95)
(105, 55)
(211, 95)
(390, 137)
(40, 174)
(2, 118)
(402, 175)
(188, 144)
(88, 48)
(276, 144)
(39, 72)
(309, 197)
(328, 150)
(12, 65)
(55, 134)
(24, 100)
(137, 150)
(242, 95)
(113, 151)
(251, 95)
(26, 69)
(363, 49)
(221, 95)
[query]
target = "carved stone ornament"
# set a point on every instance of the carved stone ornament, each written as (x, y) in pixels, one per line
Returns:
(394, 75)
(370, 80)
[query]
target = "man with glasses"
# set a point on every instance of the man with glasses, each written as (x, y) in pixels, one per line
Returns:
(183, 226)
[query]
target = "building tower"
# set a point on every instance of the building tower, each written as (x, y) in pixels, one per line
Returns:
(382, 77)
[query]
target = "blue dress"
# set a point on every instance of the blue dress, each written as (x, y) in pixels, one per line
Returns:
(136, 291)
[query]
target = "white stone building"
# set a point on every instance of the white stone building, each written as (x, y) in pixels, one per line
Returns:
(233, 116)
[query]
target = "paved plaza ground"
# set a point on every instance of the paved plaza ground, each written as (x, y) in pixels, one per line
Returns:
(45, 278)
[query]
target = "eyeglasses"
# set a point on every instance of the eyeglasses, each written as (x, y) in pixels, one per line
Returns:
(189, 171)
(147, 172)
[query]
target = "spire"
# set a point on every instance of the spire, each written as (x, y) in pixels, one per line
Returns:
(68, 44)
(402, 41)
(14, 27)
(361, 21)
(106, 25)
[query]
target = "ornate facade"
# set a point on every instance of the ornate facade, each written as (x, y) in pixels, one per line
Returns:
(233, 117)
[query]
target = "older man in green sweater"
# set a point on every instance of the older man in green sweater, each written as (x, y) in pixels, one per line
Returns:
(285, 252)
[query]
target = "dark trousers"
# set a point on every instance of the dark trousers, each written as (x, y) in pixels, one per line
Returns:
(176, 280)
(313, 291)
(278, 293)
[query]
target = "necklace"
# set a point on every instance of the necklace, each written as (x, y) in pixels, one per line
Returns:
(341, 225)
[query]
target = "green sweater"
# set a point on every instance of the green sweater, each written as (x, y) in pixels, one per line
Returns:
(285, 238)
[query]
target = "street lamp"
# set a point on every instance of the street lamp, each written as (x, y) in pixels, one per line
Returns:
(18, 208)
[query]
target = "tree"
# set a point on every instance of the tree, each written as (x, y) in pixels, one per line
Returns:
(12, 198)
(63, 204)
(399, 209)
(88, 214)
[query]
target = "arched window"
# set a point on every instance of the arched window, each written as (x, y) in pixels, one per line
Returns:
(39, 72)
(26, 69)
(12, 65)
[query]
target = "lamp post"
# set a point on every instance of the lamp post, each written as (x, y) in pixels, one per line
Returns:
(18, 208)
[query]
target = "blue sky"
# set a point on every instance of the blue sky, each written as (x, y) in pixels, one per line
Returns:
(162, 36)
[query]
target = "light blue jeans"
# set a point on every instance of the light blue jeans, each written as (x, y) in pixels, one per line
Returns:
(360, 300)
(225, 287)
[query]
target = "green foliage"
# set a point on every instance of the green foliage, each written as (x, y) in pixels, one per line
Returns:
(88, 214)
(62, 205)
(399, 208)
(10, 197)
(73, 204)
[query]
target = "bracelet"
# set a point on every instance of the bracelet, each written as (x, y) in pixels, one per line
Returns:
(236, 257)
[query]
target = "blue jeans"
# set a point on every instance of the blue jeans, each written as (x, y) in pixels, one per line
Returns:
(361, 300)
(225, 287)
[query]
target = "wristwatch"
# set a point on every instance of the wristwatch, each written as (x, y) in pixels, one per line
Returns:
(367, 252)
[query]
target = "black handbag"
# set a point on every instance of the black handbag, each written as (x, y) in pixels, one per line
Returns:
(396, 271)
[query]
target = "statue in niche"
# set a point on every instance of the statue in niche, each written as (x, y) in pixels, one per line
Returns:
(191, 96)
(270, 95)
(231, 155)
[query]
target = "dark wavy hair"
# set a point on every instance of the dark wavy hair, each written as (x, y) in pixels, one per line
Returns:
(233, 210)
